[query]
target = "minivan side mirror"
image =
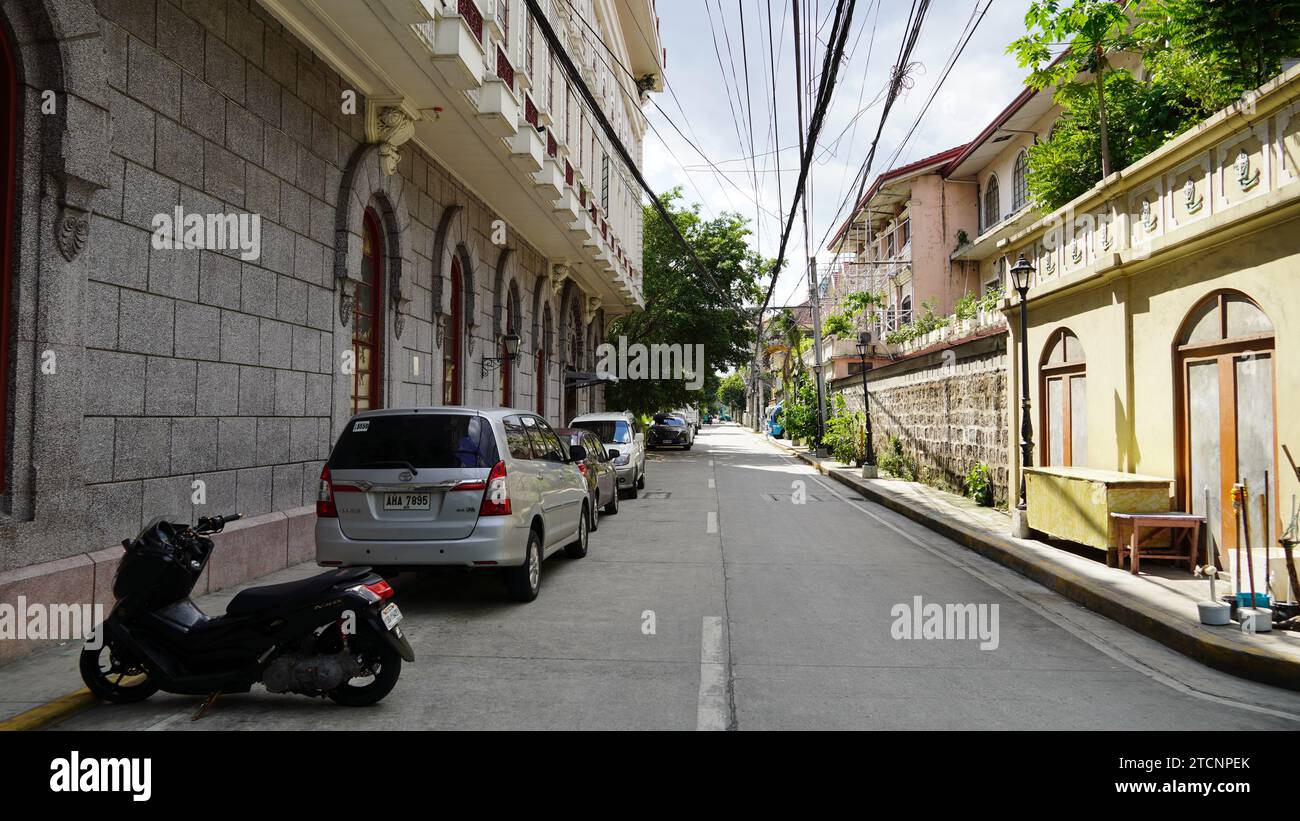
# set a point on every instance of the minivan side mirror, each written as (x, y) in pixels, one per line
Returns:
(577, 453)
(640, 437)
(612, 454)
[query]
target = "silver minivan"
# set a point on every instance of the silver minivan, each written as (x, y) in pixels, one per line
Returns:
(452, 486)
(618, 430)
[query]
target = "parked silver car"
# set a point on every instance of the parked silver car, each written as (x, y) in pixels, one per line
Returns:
(452, 486)
(619, 430)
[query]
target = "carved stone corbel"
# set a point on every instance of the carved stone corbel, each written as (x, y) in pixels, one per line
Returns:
(590, 309)
(390, 122)
(559, 272)
(72, 229)
(347, 301)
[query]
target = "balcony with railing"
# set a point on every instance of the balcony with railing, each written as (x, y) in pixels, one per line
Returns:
(475, 50)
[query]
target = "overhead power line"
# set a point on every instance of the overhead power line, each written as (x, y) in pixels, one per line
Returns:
(830, 70)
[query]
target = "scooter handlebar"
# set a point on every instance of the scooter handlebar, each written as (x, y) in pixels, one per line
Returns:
(215, 524)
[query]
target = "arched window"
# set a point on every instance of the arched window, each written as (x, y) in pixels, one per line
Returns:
(8, 181)
(1224, 364)
(454, 339)
(905, 311)
(1064, 403)
(507, 366)
(1020, 181)
(368, 323)
(991, 208)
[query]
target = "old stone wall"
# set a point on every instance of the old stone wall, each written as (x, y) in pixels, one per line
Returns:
(197, 369)
(947, 408)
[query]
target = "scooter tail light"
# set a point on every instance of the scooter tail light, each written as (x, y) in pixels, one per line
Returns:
(496, 498)
(381, 588)
(325, 507)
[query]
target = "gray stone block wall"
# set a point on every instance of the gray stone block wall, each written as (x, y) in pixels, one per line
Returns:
(202, 367)
(948, 409)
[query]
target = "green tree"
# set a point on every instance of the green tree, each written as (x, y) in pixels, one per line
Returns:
(731, 392)
(1142, 118)
(788, 337)
(687, 307)
(1217, 49)
(1093, 29)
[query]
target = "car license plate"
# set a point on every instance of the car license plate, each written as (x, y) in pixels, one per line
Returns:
(406, 501)
(391, 616)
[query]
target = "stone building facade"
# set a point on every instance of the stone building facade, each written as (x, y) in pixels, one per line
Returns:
(394, 255)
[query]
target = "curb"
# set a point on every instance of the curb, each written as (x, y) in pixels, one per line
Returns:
(50, 713)
(1189, 639)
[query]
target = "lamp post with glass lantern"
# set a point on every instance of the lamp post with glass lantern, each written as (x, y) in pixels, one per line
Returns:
(869, 457)
(1021, 275)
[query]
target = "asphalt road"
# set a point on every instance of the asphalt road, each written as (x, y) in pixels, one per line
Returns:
(715, 601)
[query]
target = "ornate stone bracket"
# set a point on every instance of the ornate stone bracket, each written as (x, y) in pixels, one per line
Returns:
(390, 122)
(590, 309)
(559, 272)
(401, 307)
(72, 229)
(347, 301)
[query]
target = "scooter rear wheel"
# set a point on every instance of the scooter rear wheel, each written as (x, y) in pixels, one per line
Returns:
(113, 678)
(384, 663)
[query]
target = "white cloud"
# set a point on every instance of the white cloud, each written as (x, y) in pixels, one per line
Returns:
(983, 82)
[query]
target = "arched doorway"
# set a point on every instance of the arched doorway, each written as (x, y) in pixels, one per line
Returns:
(1224, 361)
(1063, 373)
(368, 319)
(454, 341)
(508, 365)
(575, 358)
(8, 182)
(543, 360)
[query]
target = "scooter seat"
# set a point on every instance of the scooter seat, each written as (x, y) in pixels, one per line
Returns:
(259, 599)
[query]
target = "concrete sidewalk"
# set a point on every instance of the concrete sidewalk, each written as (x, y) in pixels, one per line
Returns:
(47, 680)
(1158, 604)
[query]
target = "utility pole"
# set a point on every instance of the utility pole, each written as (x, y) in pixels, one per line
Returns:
(814, 299)
(814, 295)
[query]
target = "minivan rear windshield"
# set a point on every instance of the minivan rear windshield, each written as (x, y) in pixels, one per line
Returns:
(614, 431)
(422, 441)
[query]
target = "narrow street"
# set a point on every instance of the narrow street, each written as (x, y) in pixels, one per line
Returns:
(782, 610)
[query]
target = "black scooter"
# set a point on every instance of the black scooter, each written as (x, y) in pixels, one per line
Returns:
(331, 635)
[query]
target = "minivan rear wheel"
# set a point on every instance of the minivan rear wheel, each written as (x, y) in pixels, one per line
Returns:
(578, 548)
(524, 582)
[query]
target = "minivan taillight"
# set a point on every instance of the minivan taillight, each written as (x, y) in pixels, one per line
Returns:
(496, 499)
(325, 508)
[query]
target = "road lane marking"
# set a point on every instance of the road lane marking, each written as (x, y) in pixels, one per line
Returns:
(712, 483)
(714, 710)
(1087, 637)
(713, 522)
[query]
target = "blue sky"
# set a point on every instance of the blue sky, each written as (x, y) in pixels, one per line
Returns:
(984, 80)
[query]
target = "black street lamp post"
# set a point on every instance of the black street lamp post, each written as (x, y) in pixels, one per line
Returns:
(869, 458)
(1021, 273)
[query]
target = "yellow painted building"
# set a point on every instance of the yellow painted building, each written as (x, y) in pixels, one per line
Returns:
(1164, 318)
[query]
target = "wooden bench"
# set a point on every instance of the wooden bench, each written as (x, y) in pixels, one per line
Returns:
(1184, 528)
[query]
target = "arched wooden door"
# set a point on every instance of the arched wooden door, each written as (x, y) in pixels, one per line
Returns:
(1225, 365)
(368, 320)
(454, 340)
